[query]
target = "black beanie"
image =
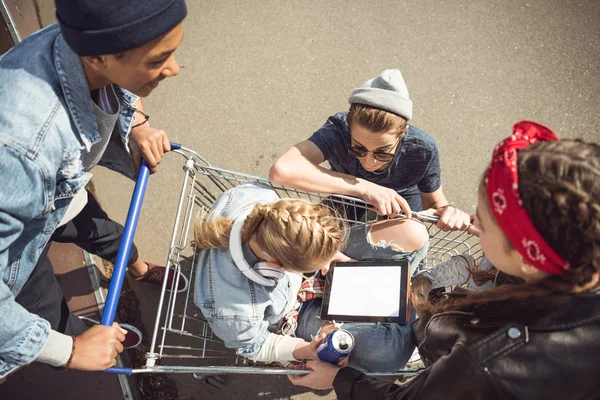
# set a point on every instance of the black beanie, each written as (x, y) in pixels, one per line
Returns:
(96, 27)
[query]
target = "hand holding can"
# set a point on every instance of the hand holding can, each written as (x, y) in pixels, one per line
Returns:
(336, 346)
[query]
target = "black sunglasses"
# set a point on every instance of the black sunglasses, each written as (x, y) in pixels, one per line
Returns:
(380, 156)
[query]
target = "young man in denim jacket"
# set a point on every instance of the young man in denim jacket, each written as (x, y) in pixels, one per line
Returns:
(69, 96)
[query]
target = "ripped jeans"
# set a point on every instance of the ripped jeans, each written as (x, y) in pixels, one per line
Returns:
(360, 248)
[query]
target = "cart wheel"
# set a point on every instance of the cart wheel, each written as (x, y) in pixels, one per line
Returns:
(199, 377)
(215, 381)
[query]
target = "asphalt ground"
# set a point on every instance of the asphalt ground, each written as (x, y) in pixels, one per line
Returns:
(258, 77)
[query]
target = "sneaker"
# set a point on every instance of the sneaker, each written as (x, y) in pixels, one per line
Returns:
(156, 275)
(133, 338)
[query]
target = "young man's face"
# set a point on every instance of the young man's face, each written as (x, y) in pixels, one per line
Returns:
(371, 144)
(141, 70)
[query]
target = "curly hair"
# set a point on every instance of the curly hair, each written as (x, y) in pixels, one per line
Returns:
(298, 234)
(559, 184)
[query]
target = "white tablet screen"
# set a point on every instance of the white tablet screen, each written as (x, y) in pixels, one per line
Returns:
(366, 291)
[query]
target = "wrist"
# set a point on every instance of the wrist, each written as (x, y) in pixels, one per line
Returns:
(360, 189)
(140, 119)
(302, 351)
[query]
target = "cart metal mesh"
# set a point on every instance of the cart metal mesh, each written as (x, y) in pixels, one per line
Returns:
(182, 340)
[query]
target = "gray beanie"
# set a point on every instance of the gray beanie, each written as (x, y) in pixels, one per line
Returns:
(387, 92)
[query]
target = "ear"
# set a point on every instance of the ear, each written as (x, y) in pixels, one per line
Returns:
(528, 269)
(325, 269)
(530, 273)
(98, 63)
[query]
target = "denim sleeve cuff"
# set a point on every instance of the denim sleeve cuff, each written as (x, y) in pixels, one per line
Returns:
(57, 350)
(344, 381)
(33, 344)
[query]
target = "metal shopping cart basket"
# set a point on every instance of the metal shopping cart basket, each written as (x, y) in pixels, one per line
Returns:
(182, 341)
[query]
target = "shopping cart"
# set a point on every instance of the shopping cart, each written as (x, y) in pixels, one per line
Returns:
(182, 341)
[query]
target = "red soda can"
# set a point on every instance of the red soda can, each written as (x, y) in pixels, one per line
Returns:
(336, 346)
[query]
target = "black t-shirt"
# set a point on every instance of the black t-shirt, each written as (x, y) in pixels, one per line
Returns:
(416, 167)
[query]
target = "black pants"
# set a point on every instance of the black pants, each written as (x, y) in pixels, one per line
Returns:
(94, 232)
(42, 295)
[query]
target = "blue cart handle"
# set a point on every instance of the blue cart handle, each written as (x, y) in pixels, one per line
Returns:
(116, 282)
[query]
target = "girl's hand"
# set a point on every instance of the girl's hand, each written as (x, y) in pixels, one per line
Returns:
(314, 344)
(308, 351)
(339, 257)
(320, 378)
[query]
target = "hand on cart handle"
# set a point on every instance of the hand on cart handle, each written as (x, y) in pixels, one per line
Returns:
(472, 229)
(148, 143)
(386, 201)
(452, 219)
(97, 348)
(321, 376)
(446, 218)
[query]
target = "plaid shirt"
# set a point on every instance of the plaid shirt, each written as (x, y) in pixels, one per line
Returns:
(310, 289)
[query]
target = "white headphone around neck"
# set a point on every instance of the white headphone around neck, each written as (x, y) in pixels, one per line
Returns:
(261, 273)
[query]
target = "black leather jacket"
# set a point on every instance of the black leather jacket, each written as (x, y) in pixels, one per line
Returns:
(547, 348)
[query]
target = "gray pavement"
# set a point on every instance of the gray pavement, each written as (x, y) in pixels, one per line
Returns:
(259, 76)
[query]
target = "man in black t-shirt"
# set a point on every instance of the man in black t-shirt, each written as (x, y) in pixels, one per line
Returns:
(374, 155)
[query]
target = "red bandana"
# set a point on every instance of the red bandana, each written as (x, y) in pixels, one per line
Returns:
(502, 185)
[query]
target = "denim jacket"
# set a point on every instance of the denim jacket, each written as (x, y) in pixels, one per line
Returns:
(239, 311)
(46, 121)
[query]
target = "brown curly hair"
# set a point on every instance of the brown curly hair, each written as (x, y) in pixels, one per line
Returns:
(559, 184)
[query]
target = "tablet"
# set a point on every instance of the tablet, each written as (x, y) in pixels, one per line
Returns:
(367, 291)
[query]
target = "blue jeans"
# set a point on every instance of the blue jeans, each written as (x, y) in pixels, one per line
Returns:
(377, 348)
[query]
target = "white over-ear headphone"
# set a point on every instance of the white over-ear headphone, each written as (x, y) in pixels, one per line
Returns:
(261, 273)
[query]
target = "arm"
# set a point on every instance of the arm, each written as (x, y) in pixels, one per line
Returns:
(433, 197)
(435, 200)
(254, 341)
(25, 337)
(455, 376)
(286, 348)
(299, 168)
(22, 335)
(147, 142)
